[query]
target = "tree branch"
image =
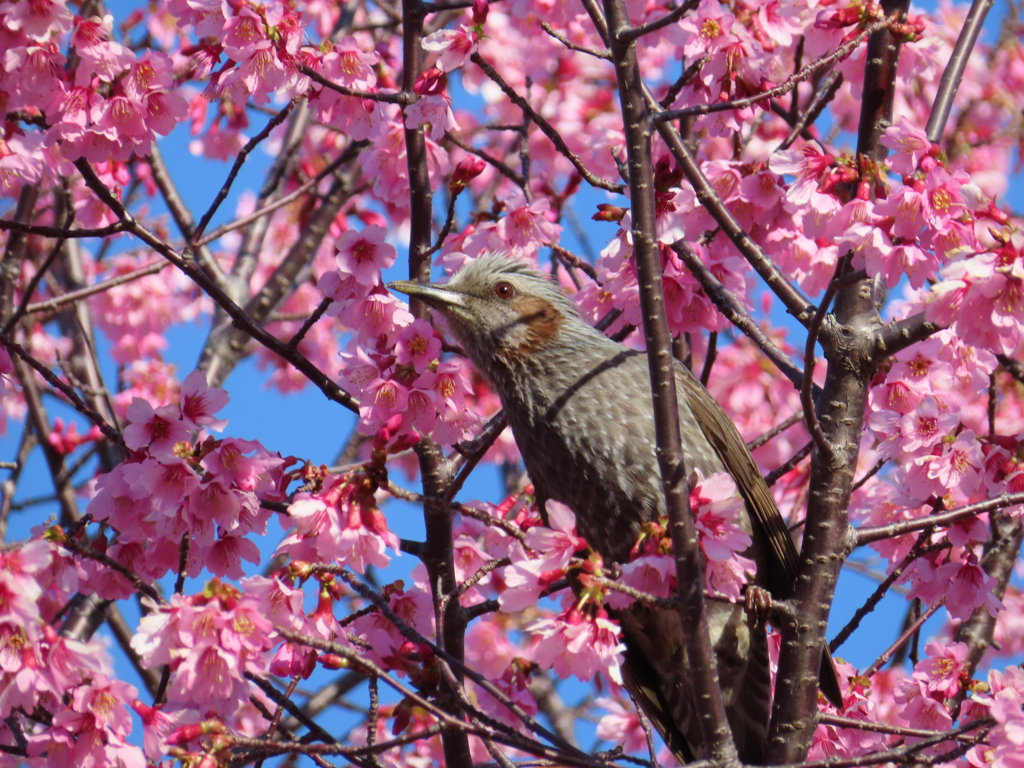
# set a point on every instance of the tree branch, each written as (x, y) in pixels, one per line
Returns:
(546, 128)
(709, 705)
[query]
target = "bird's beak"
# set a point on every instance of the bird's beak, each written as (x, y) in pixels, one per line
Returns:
(436, 296)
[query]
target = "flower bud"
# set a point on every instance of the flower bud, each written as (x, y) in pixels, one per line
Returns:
(480, 11)
(468, 169)
(431, 82)
(609, 212)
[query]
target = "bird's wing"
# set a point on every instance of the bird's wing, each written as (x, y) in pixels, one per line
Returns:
(653, 692)
(770, 531)
(659, 676)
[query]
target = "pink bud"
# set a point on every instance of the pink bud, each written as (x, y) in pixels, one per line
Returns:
(609, 212)
(996, 214)
(405, 442)
(468, 168)
(842, 17)
(186, 733)
(333, 661)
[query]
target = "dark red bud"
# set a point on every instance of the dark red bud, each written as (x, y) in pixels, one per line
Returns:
(843, 17)
(480, 11)
(609, 212)
(996, 214)
(431, 83)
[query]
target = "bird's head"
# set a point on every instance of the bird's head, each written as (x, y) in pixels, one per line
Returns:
(499, 308)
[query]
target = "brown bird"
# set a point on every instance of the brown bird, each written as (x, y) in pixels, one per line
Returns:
(579, 405)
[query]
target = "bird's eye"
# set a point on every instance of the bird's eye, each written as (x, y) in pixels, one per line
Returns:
(504, 290)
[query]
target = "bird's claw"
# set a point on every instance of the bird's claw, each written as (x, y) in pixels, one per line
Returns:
(759, 601)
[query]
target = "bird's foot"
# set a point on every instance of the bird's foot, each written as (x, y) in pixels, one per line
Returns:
(759, 601)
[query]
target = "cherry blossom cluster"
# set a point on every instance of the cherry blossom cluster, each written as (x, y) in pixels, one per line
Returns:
(545, 554)
(110, 104)
(393, 361)
(928, 413)
(171, 490)
(209, 642)
(44, 672)
(339, 523)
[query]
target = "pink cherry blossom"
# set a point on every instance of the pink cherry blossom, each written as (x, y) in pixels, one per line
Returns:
(577, 645)
(652, 574)
(526, 225)
(910, 145)
(809, 164)
(417, 345)
(432, 110)
(199, 402)
(364, 254)
(381, 399)
(532, 572)
(707, 31)
(959, 464)
(940, 673)
(621, 726)
(342, 523)
(454, 46)
(971, 588)
(230, 462)
(157, 429)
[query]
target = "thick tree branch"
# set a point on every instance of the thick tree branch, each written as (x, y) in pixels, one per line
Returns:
(438, 553)
(847, 339)
(900, 334)
(708, 702)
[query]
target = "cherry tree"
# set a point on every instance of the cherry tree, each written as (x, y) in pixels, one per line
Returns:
(690, 173)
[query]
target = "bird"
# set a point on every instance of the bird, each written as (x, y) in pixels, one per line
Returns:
(580, 408)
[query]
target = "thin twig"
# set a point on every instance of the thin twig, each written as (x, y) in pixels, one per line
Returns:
(571, 45)
(869, 534)
(635, 33)
(786, 86)
(295, 194)
(773, 477)
(903, 638)
(67, 234)
(326, 384)
(243, 154)
(398, 97)
(730, 306)
(33, 283)
(52, 305)
(546, 127)
(778, 429)
(872, 602)
(51, 378)
(322, 307)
